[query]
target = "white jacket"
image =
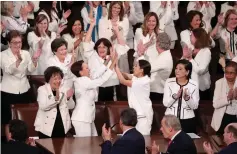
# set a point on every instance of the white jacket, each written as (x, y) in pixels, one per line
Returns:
(220, 102)
(166, 17)
(187, 107)
(47, 112)
(33, 41)
(14, 79)
(200, 72)
(86, 95)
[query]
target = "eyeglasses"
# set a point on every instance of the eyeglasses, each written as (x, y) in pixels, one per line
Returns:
(16, 43)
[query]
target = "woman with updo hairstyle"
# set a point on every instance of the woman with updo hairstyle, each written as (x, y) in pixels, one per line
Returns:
(53, 119)
(181, 96)
(40, 40)
(138, 85)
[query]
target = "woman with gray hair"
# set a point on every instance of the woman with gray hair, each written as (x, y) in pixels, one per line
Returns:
(161, 67)
(10, 22)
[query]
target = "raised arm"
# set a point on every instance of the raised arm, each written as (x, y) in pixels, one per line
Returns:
(89, 32)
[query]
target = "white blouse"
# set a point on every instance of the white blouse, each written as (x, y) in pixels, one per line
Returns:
(33, 41)
(139, 97)
(14, 79)
(183, 109)
(70, 46)
(105, 28)
(200, 72)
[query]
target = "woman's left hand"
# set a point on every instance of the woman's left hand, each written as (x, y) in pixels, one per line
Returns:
(67, 14)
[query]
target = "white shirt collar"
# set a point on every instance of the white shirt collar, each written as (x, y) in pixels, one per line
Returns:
(126, 131)
(175, 135)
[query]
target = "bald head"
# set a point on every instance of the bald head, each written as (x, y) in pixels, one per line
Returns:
(232, 128)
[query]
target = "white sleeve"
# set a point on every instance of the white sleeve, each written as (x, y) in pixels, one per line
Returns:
(175, 10)
(191, 6)
(132, 16)
(168, 99)
(194, 99)
(32, 41)
(212, 9)
(139, 12)
(17, 24)
(70, 43)
(219, 99)
(125, 25)
(155, 6)
(102, 28)
(85, 16)
(201, 66)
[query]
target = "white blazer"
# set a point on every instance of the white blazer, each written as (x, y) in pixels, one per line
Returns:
(105, 28)
(95, 63)
(86, 95)
(54, 24)
(208, 13)
(33, 41)
(14, 79)
(70, 46)
(67, 81)
(187, 107)
(12, 23)
(166, 17)
(220, 102)
(47, 112)
(138, 97)
(200, 72)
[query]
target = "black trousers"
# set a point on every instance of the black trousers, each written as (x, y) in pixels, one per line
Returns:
(227, 119)
(8, 99)
(156, 96)
(188, 125)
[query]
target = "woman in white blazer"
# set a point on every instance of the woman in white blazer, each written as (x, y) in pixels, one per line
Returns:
(41, 38)
(83, 115)
(208, 9)
(225, 99)
(63, 60)
(181, 96)
(15, 64)
(115, 16)
(167, 12)
(49, 9)
(200, 59)
(53, 119)
(138, 94)
(10, 22)
(195, 20)
(98, 57)
(74, 37)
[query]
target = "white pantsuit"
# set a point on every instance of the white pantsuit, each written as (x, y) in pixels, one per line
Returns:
(46, 115)
(33, 41)
(83, 115)
(138, 98)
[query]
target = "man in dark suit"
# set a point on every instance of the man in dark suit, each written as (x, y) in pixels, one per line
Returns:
(131, 142)
(230, 138)
(180, 142)
(17, 136)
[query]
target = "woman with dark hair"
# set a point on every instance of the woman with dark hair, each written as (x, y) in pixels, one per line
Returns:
(49, 9)
(115, 17)
(53, 119)
(195, 20)
(208, 9)
(138, 93)
(200, 59)
(181, 96)
(63, 60)
(15, 64)
(83, 115)
(74, 37)
(40, 40)
(98, 57)
(225, 99)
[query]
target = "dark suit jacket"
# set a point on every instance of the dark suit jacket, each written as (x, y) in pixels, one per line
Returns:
(15, 147)
(230, 149)
(132, 142)
(182, 144)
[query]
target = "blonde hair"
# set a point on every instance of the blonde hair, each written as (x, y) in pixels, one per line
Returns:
(144, 25)
(5, 6)
(228, 13)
